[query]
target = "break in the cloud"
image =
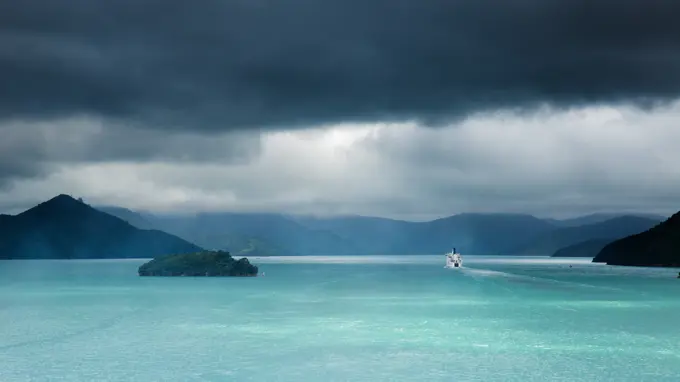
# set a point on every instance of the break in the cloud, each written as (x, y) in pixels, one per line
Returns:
(551, 163)
(223, 65)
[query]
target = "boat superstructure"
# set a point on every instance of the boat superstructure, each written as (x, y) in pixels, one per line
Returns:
(454, 260)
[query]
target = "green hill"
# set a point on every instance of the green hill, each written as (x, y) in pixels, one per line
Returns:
(65, 228)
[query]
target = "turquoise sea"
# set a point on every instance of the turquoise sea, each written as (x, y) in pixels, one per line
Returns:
(341, 319)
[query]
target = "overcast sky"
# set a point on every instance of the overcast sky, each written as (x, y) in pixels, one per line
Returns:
(411, 109)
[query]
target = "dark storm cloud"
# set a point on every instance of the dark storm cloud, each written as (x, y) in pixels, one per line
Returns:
(32, 149)
(220, 65)
(19, 157)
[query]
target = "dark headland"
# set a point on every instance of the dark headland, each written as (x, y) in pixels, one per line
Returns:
(205, 263)
(658, 246)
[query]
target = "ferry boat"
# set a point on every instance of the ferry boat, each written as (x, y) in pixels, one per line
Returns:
(453, 260)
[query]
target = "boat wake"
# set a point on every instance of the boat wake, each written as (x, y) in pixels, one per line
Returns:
(543, 282)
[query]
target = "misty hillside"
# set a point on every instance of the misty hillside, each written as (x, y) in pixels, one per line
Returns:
(481, 234)
(137, 219)
(600, 217)
(469, 233)
(65, 228)
(370, 235)
(589, 248)
(303, 235)
(249, 234)
(554, 240)
(657, 246)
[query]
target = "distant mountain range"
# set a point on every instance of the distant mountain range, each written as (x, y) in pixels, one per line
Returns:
(479, 234)
(66, 228)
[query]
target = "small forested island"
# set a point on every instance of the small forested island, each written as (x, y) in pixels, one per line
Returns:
(204, 263)
(656, 247)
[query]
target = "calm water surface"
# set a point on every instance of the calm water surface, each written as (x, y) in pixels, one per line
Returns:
(341, 319)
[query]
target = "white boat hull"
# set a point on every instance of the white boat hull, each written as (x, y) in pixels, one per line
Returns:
(453, 260)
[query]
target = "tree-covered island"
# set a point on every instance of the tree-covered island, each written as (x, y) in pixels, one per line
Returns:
(205, 263)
